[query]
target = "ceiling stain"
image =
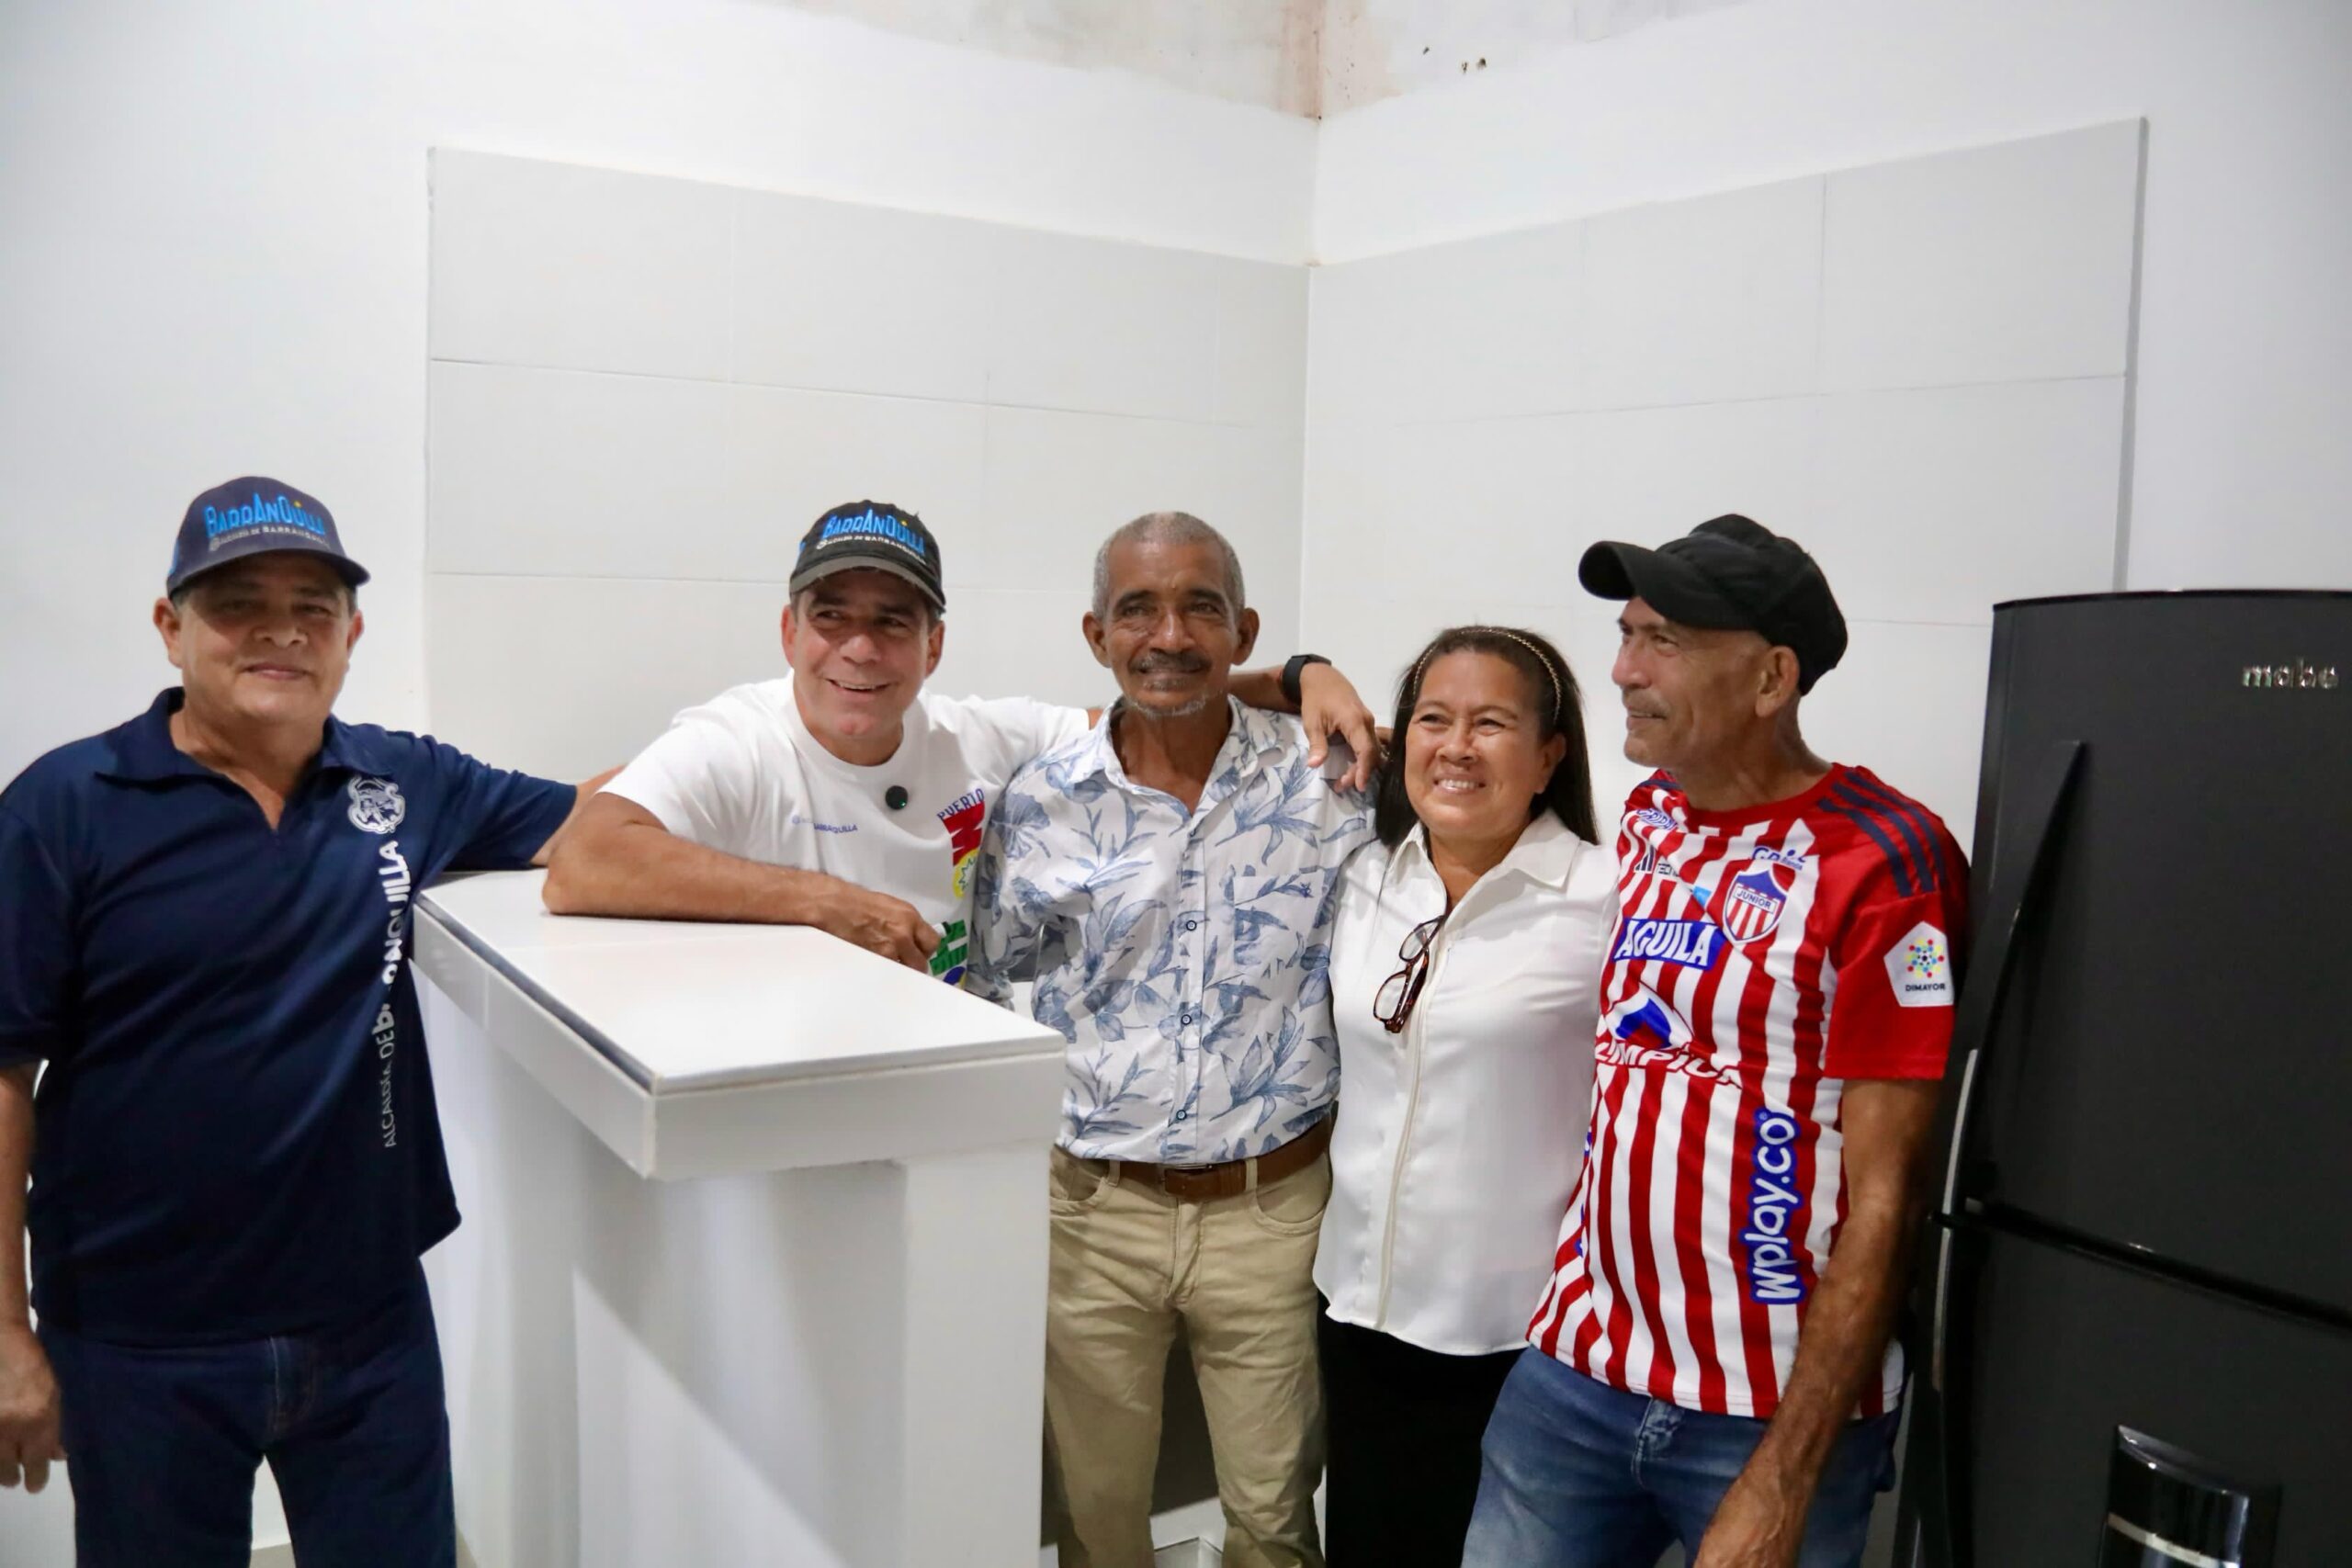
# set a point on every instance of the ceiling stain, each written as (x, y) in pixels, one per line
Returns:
(1303, 57)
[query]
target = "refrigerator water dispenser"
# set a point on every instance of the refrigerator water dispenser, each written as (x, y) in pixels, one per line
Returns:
(2166, 1508)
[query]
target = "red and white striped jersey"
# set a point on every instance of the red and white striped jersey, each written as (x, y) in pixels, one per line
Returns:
(1761, 958)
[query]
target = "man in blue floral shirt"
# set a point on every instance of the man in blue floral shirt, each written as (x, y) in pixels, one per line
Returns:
(1167, 880)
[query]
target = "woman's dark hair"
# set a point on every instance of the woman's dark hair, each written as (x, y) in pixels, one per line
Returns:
(1552, 695)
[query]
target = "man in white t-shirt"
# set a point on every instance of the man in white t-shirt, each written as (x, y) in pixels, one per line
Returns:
(843, 795)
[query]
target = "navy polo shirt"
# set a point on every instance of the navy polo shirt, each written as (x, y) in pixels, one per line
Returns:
(235, 1136)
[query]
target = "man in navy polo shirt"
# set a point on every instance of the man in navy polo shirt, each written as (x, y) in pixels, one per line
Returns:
(204, 923)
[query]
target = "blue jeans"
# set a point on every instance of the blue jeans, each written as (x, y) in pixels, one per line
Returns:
(1578, 1474)
(162, 1444)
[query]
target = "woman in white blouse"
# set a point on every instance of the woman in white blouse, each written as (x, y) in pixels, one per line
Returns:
(1466, 969)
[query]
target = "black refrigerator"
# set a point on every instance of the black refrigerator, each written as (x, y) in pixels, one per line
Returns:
(2133, 1345)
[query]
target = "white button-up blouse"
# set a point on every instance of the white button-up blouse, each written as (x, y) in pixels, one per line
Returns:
(1459, 1139)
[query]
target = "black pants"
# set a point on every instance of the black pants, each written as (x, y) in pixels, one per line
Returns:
(1405, 1425)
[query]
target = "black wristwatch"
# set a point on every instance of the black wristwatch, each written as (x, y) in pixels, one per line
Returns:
(1292, 669)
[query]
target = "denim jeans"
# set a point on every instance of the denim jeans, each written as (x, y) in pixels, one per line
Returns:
(162, 1444)
(1578, 1474)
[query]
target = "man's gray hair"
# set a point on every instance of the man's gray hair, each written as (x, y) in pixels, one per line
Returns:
(1167, 528)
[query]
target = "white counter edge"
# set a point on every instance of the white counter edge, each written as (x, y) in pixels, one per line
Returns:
(884, 1113)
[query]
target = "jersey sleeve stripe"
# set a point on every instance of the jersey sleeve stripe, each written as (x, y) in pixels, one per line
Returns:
(1917, 842)
(1909, 816)
(1868, 823)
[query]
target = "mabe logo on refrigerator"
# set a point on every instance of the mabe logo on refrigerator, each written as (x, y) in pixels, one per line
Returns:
(2299, 675)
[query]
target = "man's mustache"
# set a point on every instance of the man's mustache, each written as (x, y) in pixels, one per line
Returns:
(1170, 664)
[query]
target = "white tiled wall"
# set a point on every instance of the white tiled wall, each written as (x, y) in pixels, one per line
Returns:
(643, 390)
(579, 269)
(1481, 328)
(1705, 301)
(2010, 263)
(1919, 369)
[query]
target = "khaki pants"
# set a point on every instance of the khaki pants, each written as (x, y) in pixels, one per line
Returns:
(1129, 1263)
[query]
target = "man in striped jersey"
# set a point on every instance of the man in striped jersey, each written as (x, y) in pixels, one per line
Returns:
(1712, 1360)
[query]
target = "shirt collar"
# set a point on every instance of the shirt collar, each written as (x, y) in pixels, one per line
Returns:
(144, 751)
(347, 749)
(1254, 738)
(1545, 854)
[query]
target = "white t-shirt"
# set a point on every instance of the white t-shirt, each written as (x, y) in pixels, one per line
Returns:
(742, 774)
(1459, 1139)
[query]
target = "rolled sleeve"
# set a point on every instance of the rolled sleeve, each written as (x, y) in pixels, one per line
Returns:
(35, 946)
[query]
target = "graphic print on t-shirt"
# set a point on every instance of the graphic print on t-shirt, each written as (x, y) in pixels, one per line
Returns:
(962, 821)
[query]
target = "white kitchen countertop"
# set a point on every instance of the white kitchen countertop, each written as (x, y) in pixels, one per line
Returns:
(693, 1048)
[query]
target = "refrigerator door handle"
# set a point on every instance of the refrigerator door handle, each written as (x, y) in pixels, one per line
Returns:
(1934, 1525)
(2023, 855)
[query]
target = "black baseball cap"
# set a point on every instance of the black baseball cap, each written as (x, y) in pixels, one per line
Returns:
(1735, 573)
(253, 517)
(871, 534)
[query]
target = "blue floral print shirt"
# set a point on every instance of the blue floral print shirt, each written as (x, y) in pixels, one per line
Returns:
(1183, 955)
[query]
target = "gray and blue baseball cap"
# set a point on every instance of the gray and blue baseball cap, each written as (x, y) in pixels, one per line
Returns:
(871, 534)
(253, 517)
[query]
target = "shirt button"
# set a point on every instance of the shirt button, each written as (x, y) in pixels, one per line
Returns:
(1186, 1019)
(1182, 1114)
(1191, 925)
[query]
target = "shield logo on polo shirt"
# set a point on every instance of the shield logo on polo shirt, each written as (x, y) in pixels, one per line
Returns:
(1752, 901)
(377, 806)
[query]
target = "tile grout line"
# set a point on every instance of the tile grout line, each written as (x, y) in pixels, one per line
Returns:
(1760, 398)
(776, 583)
(730, 381)
(2121, 576)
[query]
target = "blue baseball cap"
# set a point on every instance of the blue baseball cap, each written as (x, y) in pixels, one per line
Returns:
(253, 517)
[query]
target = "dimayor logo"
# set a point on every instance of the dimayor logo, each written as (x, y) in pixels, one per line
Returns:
(872, 524)
(278, 511)
(1919, 969)
(377, 806)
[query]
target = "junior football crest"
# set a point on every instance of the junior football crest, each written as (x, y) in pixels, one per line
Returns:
(1752, 901)
(377, 806)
